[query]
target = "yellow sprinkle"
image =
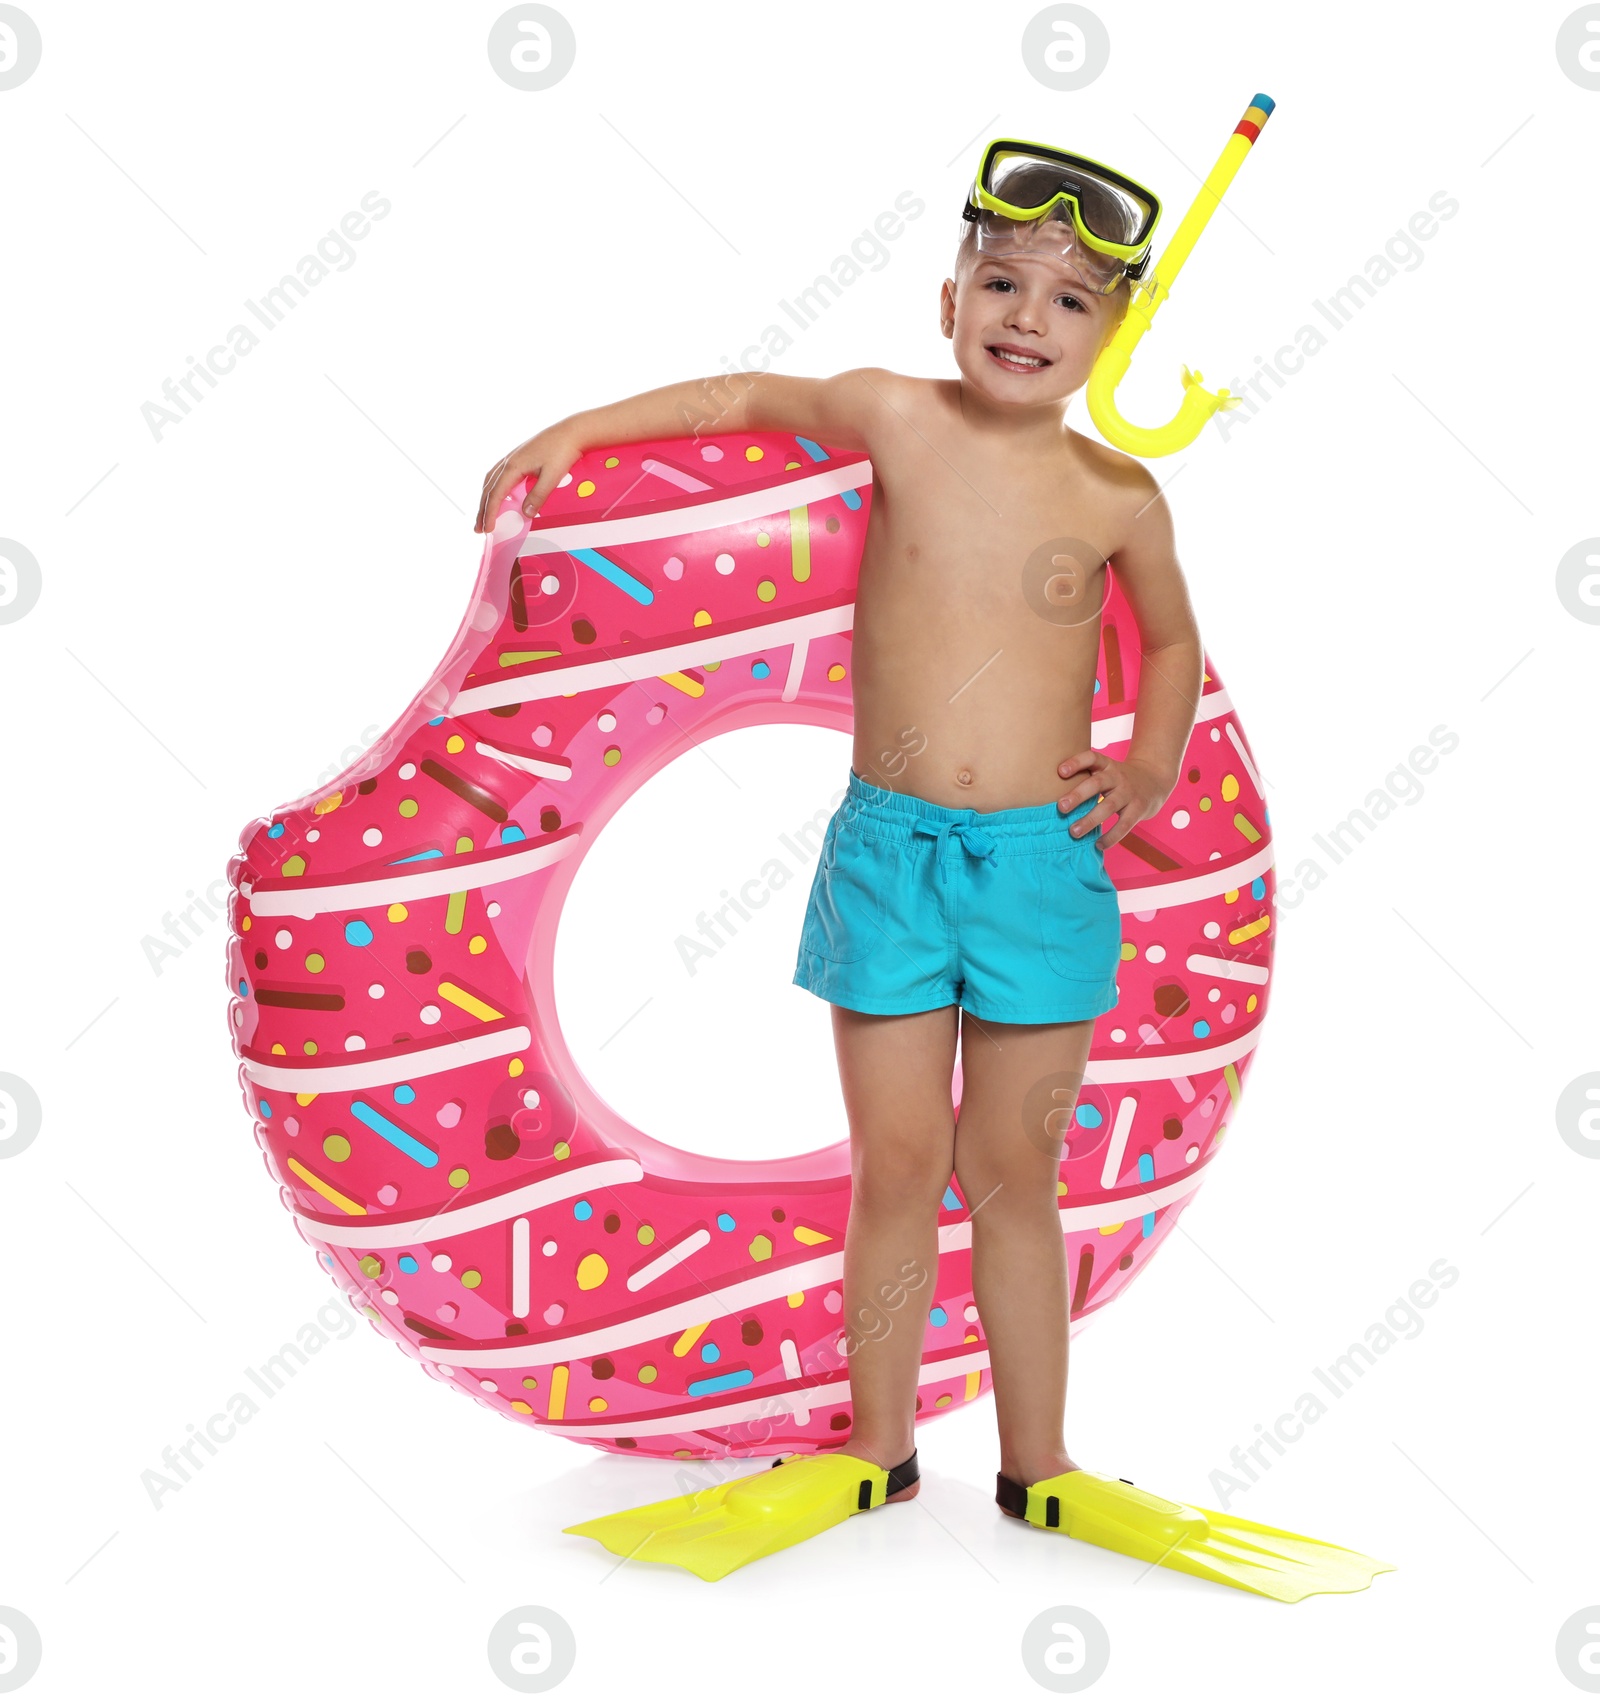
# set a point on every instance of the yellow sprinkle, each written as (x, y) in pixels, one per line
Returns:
(647, 1233)
(293, 867)
(1230, 896)
(315, 963)
(1061, 1188)
(407, 808)
(244, 925)
(754, 453)
(1106, 1232)
(463, 845)
(471, 1278)
(397, 912)
(562, 1151)
(305, 1098)
(612, 756)
(530, 1383)
(337, 1199)
(455, 911)
(453, 993)
(800, 544)
(647, 1374)
(763, 538)
(1248, 831)
(766, 590)
(974, 1381)
(791, 466)
(514, 1066)
(1205, 805)
(586, 488)
(1250, 1004)
(689, 686)
(592, 1272)
(796, 1299)
(835, 672)
(685, 1341)
(458, 1177)
(760, 1248)
(328, 803)
(1129, 951)
(702, 617)
(278, 1050)
(597, 1405)
(521, 1408)
(810, 1236)
(477, 944)
(311, 1047)
(455, 743)
(1243, 934)
(611, 460)
(943, 1399)
(515, 657)
(1231, 1075)
(1230, 787)
(558, 1393)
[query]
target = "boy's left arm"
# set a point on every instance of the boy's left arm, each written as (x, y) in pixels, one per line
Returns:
(1170, 676)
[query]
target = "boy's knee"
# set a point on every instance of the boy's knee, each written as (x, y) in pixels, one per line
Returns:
(897, 1176)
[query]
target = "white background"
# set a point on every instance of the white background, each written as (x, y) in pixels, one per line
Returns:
(228, 613)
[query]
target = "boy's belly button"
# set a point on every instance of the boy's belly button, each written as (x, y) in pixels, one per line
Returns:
(963, 776)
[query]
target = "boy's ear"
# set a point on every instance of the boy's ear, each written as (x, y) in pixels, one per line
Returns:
(947, 308)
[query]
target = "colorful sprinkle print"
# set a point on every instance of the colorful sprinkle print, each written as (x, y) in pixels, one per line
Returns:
(384, 1013)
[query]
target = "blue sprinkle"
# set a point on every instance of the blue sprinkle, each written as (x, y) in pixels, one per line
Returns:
(852, 500)
(325, 1259)
(408, 1264)
(1147, 1166)
(815, 450)
(437, 722)
(512, 834)
(1097, 687)
(1258, 888)
(760, 669)
(709, 1353)
(725, 1222)
(582, 1210)
(951, 1201)
(357, 932)
(244, 988)
(275, 831)
(404, 1142)
(938, 1316)
(1086, 1115)
(266, 1109)
(721, 1383)
(1202, 1029)
(405, 1094)
(421, 855)
(614, 574)
(1266, 814)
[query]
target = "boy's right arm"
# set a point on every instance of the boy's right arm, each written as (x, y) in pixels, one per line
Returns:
(839, 411)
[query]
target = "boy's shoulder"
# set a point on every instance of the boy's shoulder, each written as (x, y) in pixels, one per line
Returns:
(1120, 475)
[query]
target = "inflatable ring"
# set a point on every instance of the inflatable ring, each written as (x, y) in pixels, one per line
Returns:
(393, 1014)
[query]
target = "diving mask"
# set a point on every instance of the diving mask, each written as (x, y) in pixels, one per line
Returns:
(1032, 199)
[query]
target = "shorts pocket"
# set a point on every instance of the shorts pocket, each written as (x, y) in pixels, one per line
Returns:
(1080, 921)
(844, 917)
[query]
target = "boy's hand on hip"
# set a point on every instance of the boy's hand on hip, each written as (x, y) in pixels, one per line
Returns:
(544, 459)
(1132, 790)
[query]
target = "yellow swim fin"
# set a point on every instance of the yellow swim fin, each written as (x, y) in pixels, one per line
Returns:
(1119, 1516)
(714, 1532)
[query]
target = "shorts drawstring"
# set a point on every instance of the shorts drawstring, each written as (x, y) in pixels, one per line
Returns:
(972, 837)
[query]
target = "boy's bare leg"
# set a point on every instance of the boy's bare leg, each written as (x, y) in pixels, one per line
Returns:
(1018, 1089)
(895, 1072)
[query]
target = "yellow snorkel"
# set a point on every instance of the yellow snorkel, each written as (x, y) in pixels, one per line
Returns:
(1111, 367)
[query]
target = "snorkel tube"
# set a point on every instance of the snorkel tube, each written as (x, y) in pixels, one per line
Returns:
(1112, 365)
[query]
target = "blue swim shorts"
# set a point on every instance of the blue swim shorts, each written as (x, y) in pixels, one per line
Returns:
(914, 906)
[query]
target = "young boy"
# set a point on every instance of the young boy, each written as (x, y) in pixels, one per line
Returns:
(960, 895)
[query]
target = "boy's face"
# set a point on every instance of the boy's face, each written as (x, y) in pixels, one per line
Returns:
(1030, 305)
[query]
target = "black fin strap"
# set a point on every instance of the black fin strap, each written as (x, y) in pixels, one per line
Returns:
(1010, 1495)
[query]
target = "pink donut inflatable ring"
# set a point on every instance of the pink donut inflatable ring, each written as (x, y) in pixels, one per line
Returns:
(394, 1018)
